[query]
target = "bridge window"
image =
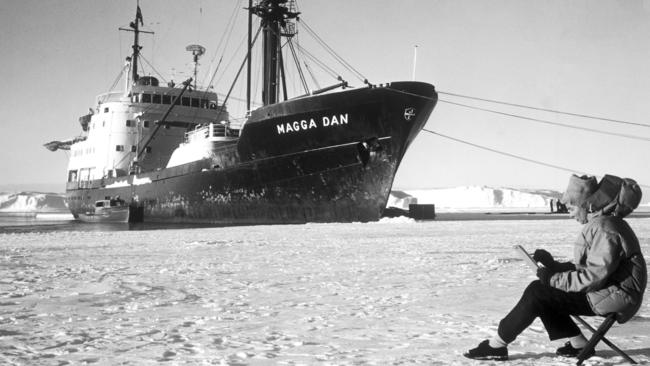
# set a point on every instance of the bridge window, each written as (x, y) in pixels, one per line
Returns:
(106, 110)
(130, 123)
(185, 101)
(156, 98)
(145, 124)
(134, 148)
(196, 102)
(119, 147)
(166, 99)
(146, 98)
(147, 149)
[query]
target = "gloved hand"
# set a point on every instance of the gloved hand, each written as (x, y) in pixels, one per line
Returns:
(544, 258)
(544, 274)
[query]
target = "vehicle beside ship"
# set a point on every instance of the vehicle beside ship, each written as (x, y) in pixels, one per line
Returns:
(107, 211)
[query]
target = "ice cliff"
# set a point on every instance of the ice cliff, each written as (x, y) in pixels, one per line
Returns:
(31, 202)
(475, 197)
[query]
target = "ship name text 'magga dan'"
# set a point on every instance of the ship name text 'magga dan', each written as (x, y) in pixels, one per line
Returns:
(302, 125)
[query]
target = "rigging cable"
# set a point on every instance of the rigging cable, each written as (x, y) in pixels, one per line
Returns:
(529, 118)
(544, 109)
(313, 78)
(242, 43)
(153, 68)
(548, 122)
(119, 37)
(503, 153)
(257, 78)
(223, 105)
(118, 78)
(297, 62)
(230, 26)
(573, 171)
(318, 62)
(243, 100)
(295, 59)
(333, 53)
(227, 36)
(498, 151)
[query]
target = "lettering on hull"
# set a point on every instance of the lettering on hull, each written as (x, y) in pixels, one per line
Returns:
(310, 123)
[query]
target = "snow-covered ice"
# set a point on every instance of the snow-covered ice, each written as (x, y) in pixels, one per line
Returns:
(396, 292)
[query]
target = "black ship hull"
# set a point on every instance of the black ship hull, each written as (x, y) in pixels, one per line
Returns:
(325, 158)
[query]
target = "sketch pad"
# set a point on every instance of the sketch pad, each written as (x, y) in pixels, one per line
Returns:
(526, 257)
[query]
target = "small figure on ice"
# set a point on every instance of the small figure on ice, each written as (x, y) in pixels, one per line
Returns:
(608, 275)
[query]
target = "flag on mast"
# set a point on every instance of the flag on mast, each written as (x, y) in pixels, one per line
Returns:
(138, 15)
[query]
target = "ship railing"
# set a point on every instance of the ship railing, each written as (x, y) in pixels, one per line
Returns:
(85, 184)
(110, 97)
(210, 131)
(237, 123)
(200, 132)
(218, 130)
(223, 129)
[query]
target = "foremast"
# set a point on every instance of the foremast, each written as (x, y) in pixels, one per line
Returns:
(135, 55)
(274, 15)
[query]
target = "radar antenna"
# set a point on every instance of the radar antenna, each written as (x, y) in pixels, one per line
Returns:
(197, 51)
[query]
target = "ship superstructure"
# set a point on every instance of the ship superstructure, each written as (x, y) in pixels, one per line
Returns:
(125, 133)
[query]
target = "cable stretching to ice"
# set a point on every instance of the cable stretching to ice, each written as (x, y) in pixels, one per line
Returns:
(515, 156)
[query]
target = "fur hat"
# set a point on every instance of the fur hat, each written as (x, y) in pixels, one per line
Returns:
(618, 196)
(578, 190)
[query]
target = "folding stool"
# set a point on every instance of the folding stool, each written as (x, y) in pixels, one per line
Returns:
(598, 335)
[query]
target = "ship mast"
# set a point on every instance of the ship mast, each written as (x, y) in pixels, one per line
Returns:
(248, 56)
(273, 15)
(135, 28)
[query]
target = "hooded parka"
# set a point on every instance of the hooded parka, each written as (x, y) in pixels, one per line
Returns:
(609, 267)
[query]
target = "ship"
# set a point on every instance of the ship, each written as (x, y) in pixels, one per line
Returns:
(172, 153)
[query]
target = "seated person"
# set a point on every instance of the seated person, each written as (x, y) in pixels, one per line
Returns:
(609, 274)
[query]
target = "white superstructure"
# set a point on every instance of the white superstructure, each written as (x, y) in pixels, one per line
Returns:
(138, 128)
(125, 132)
(202, 143)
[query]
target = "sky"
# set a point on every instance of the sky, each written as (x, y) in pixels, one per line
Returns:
(583, 57)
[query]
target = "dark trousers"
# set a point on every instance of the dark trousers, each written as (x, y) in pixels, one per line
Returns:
(552, 306)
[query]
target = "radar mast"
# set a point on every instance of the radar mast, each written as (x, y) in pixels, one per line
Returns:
(197, 51)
